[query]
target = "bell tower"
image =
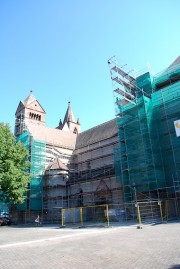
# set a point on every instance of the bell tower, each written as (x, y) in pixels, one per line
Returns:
(29, 111)
(69, 123)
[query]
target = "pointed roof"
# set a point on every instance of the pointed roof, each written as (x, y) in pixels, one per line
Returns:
(32, 103)
(29, 99)
(56, 164)
(69, 116)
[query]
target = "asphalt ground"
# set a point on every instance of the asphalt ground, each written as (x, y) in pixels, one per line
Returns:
(153, 246)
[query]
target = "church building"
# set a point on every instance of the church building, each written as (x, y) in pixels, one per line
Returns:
(130, 163)
(69, 168)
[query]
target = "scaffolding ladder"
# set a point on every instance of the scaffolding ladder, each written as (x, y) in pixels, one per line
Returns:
(123, 83)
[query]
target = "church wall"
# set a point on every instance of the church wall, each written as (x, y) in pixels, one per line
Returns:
(97, 155)
(94, 178)
(94, 190)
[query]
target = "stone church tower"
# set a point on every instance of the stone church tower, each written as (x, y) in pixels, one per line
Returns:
(69, 123)
(28, 111)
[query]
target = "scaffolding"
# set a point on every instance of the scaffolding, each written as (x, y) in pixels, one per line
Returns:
(92, 178)
(54, 195)
(90, 181)
(33, 203)
(147, 162)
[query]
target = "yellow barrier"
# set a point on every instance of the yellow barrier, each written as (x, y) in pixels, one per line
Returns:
(81, 209)
(139, 215)
(160, 207)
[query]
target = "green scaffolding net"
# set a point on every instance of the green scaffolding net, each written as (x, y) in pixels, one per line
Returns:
(34, 195)
(148, 158)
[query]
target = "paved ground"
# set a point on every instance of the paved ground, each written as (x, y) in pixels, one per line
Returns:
(152, 247)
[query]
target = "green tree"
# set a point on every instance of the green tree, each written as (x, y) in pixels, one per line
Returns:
(14, 167)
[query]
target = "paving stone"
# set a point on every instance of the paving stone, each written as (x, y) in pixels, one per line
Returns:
(25, 247)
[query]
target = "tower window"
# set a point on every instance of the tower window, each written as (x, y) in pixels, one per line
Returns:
(35, 116)
(75, 131)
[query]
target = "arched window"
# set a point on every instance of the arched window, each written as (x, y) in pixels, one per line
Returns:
(35, 116)
(75, 130)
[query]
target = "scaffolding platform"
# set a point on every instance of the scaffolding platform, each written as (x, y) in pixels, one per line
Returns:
(148, 157)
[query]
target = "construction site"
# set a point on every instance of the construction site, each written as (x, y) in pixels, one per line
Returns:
(69, 168)
(147, 162)
(126, 169)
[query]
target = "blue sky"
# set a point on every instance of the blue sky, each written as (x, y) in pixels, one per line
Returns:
(59, 49)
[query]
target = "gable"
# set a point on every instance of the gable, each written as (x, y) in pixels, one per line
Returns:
(65, 127)
(35, 105)
(102, 187)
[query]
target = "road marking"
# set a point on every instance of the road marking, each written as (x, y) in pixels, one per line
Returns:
(82, 233)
